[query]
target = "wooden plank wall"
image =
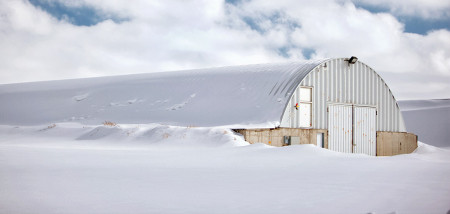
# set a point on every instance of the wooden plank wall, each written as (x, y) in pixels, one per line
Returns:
(395, 143)
(275, 137)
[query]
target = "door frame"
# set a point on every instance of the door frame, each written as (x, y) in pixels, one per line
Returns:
(328, 128)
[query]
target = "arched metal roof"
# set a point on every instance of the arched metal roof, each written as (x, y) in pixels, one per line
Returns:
(249, 96)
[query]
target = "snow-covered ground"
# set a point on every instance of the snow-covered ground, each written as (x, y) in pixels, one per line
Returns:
(74, 168)
(56, 157)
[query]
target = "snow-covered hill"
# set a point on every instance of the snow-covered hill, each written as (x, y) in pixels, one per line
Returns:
(429, 119)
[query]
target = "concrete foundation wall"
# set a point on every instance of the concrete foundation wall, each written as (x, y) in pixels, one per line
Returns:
(388, 143)
(275, 137)
(395, 143)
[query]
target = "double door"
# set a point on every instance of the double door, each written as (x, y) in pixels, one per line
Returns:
(352, 129)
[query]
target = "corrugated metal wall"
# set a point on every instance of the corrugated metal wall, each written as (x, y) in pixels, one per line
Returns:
(334, 81)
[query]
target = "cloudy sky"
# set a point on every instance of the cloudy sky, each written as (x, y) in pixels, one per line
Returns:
(406, 41)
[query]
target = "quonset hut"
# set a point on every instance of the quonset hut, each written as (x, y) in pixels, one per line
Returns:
(340, 104)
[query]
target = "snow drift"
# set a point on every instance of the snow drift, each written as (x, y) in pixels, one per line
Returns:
(130, 168)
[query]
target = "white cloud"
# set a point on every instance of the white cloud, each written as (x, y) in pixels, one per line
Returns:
(173, 35)
(36, 46)
(429, 9)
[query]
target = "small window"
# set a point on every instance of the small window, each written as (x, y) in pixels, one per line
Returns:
(305, 107)
(305, 95)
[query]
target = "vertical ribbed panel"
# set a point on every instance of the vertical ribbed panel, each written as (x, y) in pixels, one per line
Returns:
(340, 131)
(334, 81)
(364, 130)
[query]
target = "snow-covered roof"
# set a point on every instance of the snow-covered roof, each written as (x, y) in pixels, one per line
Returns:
(249, 96)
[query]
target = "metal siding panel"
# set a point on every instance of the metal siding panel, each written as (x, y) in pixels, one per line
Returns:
(386, 106)
(395, 117)
(352, 83)
(344, 73)
(372, 88)
(331, 85)
(391, 111)
(369, 91)
(310, 79)
(339, 85)
(295, 114)
(369, 86)
(335, 82)
(323, 106)
(366, 85)
(383, 107)
(316, 93)
(357, 81)
(330, 80)
(342, 91)
(364, 132)
(361, 85)
(388, 109)
(377, 98)
(380, 105)
(340, 128)
(316, 90)
(388, 112)
(323, 98)
(355, 85)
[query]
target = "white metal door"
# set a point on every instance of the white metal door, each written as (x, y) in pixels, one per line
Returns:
(340, 128)
(364, 130)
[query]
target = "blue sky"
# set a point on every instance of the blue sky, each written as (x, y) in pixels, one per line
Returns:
(413, 24)
(82, 15)
(407, 42)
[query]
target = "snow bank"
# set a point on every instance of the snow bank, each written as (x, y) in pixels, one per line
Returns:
(128, 135)
(432, 153)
